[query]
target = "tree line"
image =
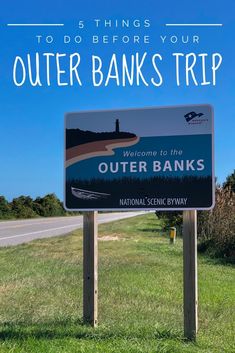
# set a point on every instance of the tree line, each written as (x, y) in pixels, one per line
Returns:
(26, 207)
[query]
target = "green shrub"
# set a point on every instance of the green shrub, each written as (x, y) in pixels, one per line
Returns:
(171, 219)
(230, 182)
(25, 207)
(5, 209)
(48, 206)
(22, 207)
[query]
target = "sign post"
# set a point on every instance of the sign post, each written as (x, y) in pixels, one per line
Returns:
(190, 274)
(90, 268)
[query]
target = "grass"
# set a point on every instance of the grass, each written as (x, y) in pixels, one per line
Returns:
(140, 295)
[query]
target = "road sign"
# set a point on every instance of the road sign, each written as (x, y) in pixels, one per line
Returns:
(153, 158)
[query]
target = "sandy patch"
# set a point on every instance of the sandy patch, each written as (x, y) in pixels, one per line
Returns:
(108, 238)
(96, 148)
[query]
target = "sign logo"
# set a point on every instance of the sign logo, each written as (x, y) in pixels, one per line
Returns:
(192, 115)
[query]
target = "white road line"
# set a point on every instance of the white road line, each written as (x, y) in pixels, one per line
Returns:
(34, 220)
(41, 231)
(76, 225)
(25, 224)
(29, 224)
(44, 221)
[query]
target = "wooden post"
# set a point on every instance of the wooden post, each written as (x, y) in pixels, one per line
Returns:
(90, 268)
(190, 274)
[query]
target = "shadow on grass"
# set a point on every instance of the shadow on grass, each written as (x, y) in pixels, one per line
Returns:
(216, 261)
(155, 229)
(78, 330)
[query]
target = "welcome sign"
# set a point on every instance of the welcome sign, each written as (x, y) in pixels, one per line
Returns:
(152, 158)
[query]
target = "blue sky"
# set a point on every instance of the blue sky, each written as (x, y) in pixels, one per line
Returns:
(31, 134)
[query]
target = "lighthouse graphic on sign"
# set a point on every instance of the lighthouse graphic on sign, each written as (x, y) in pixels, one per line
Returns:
(117, 126)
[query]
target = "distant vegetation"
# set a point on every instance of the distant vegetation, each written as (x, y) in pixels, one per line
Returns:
(26, 207)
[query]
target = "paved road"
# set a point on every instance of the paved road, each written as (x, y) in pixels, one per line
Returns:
(23, 231)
